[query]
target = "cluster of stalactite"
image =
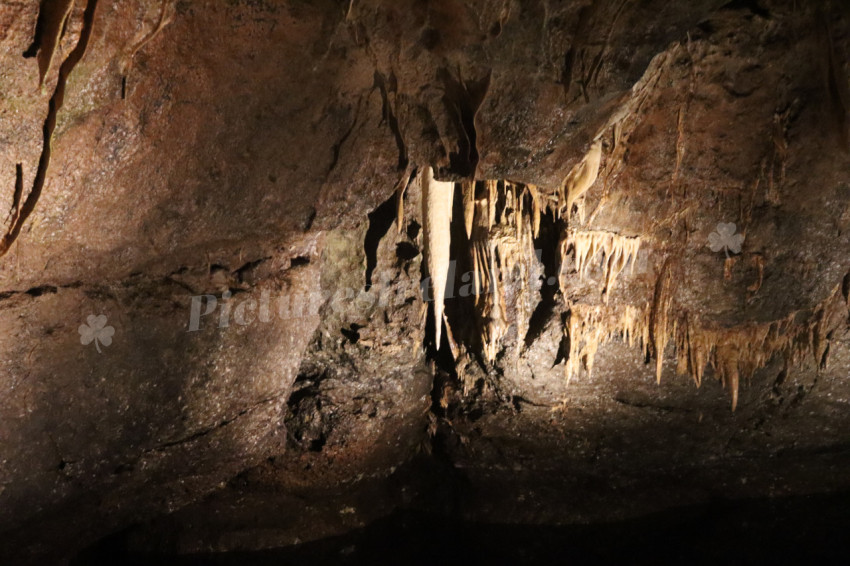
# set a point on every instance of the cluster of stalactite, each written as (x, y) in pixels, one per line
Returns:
(502, 221)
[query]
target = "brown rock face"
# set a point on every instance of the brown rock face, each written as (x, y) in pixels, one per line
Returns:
(647, 304)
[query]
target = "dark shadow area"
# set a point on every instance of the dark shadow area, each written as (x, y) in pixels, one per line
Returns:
(546, 246)
(762, 531)
(380, 221)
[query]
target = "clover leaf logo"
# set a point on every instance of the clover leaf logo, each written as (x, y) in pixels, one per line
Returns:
(724, 238)
(96, 331)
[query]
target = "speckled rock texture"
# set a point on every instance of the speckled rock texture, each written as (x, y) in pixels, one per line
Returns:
(235, 186)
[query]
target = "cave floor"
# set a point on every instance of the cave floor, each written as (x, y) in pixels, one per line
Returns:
(792, 530)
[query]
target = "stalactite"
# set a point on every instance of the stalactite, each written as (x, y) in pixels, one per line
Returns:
(580, 178)
(742, 350)
(536, 209)
(400, 189)
(590, 326)
(617, 251)
(502, 226)
(659, 323)
(494, 311)
(468, 188)
(492, 198)
(450, 336)
(437, 216)
(733, 353)
(502, 242)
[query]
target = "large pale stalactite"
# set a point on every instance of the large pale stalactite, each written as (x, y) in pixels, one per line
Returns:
(437, 198)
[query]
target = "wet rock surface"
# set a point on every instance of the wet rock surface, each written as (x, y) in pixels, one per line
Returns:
(237, 187)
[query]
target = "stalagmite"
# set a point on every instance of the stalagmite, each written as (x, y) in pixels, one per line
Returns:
(437, 216)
